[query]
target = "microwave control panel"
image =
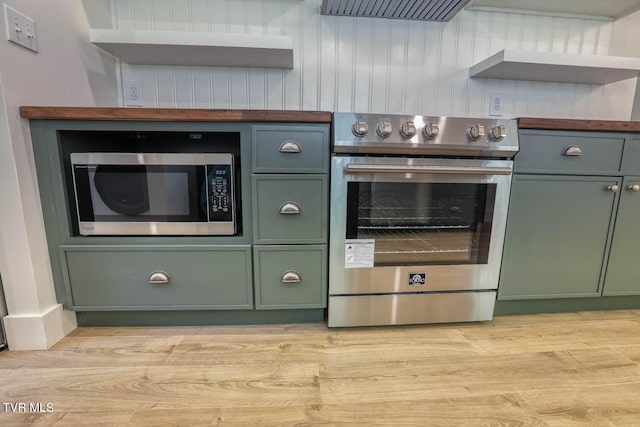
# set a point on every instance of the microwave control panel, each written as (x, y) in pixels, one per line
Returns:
(220, 193)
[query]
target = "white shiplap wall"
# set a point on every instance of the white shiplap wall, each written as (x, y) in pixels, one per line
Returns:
(372, 65)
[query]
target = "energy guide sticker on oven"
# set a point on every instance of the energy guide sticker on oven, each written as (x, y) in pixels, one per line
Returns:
(358, 253)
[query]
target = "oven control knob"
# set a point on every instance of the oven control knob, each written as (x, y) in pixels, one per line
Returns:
(498, 132)
(408, 129)
(384, 128)
(360, 128)
(475, 132)
(430, 130)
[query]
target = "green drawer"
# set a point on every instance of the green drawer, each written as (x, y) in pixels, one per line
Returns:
(542, 152)
(290, 149)
(631, 157)
(290, 276)
(117, 277)
(277, 199)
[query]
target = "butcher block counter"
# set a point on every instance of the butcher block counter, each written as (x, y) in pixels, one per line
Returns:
(173, 114)
(578, 125)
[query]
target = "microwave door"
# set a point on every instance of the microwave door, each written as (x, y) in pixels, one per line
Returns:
(154, 193)
(141, 199)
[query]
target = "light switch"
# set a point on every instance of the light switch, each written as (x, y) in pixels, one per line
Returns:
(21, 29)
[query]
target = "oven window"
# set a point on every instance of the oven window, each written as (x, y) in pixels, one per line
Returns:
(422, 223)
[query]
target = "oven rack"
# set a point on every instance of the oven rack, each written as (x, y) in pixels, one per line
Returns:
(413, 227)
(394, 215)
(416, 243)
(425, 251)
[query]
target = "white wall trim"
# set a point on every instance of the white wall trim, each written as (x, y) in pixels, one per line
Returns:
(39, 331)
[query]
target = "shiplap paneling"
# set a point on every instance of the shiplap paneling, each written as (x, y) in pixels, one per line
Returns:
(372, 65)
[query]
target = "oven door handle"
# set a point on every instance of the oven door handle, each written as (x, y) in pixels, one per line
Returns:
(464, 170)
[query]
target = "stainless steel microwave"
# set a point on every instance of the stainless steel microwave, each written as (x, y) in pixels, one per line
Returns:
(154, 193)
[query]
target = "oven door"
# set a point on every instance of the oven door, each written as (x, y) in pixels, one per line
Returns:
(407, 225)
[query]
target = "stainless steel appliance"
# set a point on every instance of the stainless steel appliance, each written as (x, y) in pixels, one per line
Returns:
(418, 213)
(154, 193)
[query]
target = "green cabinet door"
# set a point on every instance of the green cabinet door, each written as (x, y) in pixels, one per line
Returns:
(290, 208)
(290, 148)
(290, 276)
(556, 238)
(157, 277)
(623, 269)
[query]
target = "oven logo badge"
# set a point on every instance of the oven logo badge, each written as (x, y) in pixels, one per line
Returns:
(417, 279)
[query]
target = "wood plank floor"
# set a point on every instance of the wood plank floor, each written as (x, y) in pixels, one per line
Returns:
(548, 369)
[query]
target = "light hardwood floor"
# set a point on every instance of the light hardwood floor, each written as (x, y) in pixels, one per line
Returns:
(548, 369)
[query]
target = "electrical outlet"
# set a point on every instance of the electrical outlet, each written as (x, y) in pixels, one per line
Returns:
(133, 94)
(21, 29)
(496, 106)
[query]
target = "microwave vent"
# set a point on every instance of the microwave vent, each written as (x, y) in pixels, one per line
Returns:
(424, 10)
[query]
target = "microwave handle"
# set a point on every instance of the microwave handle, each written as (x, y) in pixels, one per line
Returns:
(464, 170)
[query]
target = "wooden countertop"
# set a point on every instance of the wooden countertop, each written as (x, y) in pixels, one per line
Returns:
(173, 114)
(196, 115)
(585, 125)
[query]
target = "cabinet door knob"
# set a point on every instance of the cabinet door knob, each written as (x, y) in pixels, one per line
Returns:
(291, 277)
(613, 188)
(572, 150)
(159, 278)
(635, 188)
(290, 147)
(290, 208)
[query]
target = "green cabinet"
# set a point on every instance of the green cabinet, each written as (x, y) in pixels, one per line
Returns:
(623, 269)
(290, 148)
(557, 232)
(568, 153)
(290, 209)
(159, 277)
(290, 191)
(571, 231)
(290, 276)
(195, 279)
(631, 158)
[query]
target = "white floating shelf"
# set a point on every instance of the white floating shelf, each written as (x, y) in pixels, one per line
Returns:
(612, 9)
(556, 67)
(196, 48)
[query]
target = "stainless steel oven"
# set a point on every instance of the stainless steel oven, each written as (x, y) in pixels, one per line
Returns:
(418, 214)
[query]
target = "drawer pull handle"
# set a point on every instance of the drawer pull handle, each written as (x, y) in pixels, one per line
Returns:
(290, 147)
(291, 277)
(572, 150)
(613, 188)
(635, 188)
(290, 208)
(159, 278)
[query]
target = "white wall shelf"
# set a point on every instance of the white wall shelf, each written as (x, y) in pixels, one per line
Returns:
(556, 67)
(611, 9)
(196, 48)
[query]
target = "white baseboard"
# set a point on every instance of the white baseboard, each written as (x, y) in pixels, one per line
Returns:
(39, 331)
